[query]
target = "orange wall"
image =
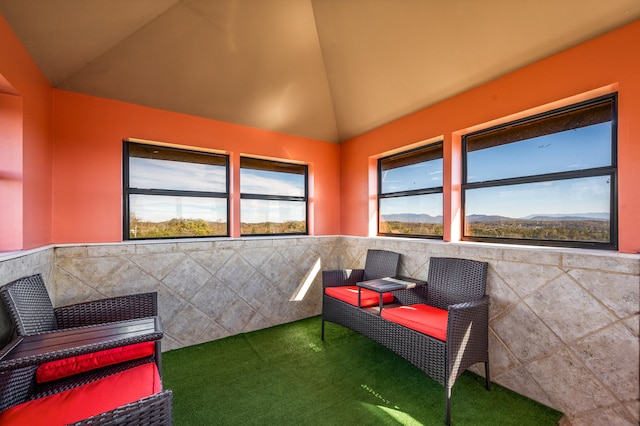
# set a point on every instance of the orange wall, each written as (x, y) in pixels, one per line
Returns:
(599, 66)
(73, 194)
(88, 161)
(29, 142)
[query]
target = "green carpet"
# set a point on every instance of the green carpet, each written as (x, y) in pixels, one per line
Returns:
(286, 375)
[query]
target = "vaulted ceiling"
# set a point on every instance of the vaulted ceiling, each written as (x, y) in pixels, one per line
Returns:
(322, 69)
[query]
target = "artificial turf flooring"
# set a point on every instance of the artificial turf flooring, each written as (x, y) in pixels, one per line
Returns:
(286, 375)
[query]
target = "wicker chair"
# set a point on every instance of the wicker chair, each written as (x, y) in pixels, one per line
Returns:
(378, 264)
(18, 386)
(30, 309)
(27, 310)
(457, 285)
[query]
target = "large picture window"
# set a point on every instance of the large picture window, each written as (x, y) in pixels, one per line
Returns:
(549, 179)
(174, 193)
(273, 197)
(410, 193)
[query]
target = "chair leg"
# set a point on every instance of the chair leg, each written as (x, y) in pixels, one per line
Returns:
(448, 402)
(486, 375)
(322, 334)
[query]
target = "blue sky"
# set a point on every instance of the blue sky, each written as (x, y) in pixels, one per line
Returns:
(146, 173)
(164, 174)
(582, 148)
(416, 176)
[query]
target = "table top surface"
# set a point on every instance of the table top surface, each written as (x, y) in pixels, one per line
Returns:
(63, 343)
(390, 284)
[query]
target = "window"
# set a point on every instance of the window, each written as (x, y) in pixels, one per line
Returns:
(174, 193)
(273, 197)
(410, 193)
(548, 180)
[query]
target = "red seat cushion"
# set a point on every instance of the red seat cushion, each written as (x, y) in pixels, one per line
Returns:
(78, 364)
(349, 294)
(423, 318)
(87, 400)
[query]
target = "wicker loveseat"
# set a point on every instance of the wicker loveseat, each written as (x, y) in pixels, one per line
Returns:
(378, 264)
(121, 391)
(455, 285)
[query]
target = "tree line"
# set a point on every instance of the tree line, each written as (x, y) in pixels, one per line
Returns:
(200, 228)
(560, 230)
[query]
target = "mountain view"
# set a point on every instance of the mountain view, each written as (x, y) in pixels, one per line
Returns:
(591, 227)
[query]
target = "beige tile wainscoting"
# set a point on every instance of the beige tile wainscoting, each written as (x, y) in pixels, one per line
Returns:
(564, 322)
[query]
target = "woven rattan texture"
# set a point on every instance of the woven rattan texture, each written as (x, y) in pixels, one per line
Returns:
(19, 386)
(153, 410)
(16, 386)
(457, 285)
(380, 264)
(30, 308)
(108, 310)
(29, 305)
(454, 281)
(337, 278)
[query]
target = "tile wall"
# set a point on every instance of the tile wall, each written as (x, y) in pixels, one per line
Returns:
(564, 324)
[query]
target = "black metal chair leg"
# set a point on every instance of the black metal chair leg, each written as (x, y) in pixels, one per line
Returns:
(322, 334)
(486, 375)
(448, 416)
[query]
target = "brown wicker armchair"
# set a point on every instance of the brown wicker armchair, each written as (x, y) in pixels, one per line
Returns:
(30, 310)
(19, 388)
(32, 333)
(378, 264)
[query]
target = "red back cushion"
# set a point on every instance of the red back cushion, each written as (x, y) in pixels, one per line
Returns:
(78, 364)
(349, 294)
(423, 318)
(87, 400)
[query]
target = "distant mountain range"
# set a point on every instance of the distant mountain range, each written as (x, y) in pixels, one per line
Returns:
(425, 218)
(573, 216)
(412, 218)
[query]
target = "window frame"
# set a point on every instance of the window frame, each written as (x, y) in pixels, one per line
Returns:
(273, 197)
(412, 192)
(611, 171)
(128, 191)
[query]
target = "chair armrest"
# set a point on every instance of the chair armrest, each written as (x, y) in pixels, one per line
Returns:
(113, 309)
(468, 334)
(464, 315)
(36, 349)
(16, 384)
(152, 410)
(341, 277)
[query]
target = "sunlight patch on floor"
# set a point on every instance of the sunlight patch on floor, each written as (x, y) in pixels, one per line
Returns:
(315, 347)
(399, 416)
(402, 417)
(395, 412)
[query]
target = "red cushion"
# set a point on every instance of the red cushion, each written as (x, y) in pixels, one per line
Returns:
(349, 294)
(423, 318)
(87, 400)
(78, 364)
